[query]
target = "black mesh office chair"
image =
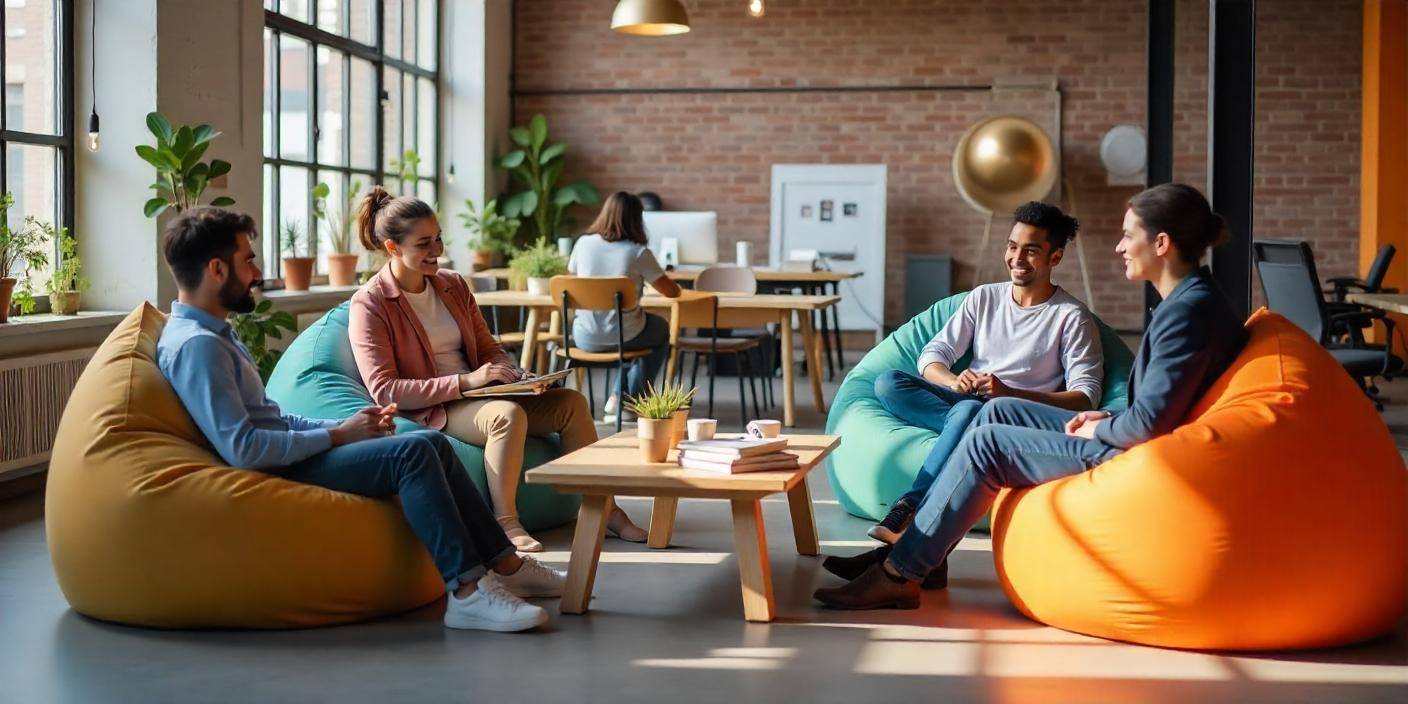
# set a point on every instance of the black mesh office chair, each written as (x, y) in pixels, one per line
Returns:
(1342, 286)
(1291, 287)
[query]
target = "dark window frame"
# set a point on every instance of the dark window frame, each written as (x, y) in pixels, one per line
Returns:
(278, 25)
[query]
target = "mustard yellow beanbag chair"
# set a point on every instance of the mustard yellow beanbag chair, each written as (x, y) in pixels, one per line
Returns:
(1274, 519)
(146, 526)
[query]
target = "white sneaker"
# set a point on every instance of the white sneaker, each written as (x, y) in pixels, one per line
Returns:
(492, 609)
(533, 580)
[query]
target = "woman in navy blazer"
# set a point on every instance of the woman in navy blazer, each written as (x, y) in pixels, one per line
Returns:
(1191, 340)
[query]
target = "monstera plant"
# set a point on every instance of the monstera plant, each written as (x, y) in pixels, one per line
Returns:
(181, 176)
(536, 166)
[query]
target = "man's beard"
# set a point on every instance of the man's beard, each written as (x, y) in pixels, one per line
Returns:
(239, 298)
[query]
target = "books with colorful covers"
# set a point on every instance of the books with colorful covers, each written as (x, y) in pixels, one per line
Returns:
(772, 461)
(735, 447)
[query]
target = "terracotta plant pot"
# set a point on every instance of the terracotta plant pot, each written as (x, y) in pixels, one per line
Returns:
(680, 418)
(483, 259)
(342, 269)
(7, 292)
(65, 302)
(539, 287)
(298, 272)
(653, 435)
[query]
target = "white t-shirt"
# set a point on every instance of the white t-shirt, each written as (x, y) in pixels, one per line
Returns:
(446, 343)
(1046, 347)
(594, 256)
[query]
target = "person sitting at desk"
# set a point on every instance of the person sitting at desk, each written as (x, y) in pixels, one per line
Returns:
(420, 341)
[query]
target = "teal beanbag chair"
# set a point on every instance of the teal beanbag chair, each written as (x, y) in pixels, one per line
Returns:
(879, 455)
(317, 377)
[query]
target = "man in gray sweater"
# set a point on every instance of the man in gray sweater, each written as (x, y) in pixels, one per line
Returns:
(1028, 338)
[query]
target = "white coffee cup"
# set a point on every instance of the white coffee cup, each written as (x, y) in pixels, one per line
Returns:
(765, 428)
(701, 428)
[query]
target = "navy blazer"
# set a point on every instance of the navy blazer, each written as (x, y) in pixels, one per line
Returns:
(1191, 340)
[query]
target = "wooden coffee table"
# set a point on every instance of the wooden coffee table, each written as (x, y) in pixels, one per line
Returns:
(612, 467)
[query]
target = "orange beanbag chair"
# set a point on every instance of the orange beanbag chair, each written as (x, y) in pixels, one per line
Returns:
(147, 526)
(1276, 518)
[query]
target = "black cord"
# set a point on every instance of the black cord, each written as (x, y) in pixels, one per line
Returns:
(93, 53)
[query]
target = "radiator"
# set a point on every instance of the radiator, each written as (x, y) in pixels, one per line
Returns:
(33, 393)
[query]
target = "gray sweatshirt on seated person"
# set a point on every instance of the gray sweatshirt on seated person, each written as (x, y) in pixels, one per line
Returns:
(1051, 346)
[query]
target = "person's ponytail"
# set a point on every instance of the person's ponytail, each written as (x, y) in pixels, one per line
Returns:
(371, 204)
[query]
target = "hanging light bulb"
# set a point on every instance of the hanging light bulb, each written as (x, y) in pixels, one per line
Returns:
(93, 75)
(755, 8)
(93, 130)
(450, 177)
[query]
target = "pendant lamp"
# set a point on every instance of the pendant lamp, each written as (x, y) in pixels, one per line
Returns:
(650, 18)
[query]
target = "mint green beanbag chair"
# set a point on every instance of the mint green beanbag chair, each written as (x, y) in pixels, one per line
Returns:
(317, 377)
(879, 455)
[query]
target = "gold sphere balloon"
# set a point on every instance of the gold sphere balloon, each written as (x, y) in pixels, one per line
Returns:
(1003, 162)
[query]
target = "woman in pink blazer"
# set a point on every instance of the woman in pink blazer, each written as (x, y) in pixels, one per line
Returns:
(420, 342)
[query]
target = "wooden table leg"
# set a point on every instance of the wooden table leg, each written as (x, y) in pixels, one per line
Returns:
(789, 373)
(530, 340)
(554, 329)
(586, 551)
(754, 572)
(799, 502)
(662, 521)
(812, 347)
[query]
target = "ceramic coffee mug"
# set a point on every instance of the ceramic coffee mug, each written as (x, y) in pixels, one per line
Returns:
(701, 428)
(765, 428)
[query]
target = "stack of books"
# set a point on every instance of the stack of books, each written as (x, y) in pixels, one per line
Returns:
(736, 455)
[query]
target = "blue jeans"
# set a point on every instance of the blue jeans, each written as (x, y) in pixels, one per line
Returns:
(655, 336)
(924, 404)
(440, 502)
(1013, 443)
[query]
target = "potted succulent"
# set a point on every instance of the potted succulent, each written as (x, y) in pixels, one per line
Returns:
(342, 263)
(298, 266)
(655, 422)
(493, 232)
(678, 398)
(181, 177)
(67, 284)
(537, 263)
(21, 251)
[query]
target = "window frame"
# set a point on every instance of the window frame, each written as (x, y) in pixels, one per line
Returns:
(279, 25)
(65, 92)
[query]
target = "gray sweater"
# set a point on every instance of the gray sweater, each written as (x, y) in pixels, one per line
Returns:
(1050, 346)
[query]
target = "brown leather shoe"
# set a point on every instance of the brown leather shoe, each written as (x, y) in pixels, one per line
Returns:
(856, 565)
(872, 590)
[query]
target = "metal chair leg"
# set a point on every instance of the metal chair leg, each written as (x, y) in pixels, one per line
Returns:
(742, 398)
(713, 374)
(748, 359)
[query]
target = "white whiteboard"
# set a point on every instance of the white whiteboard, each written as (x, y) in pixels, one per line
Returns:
(836, 209)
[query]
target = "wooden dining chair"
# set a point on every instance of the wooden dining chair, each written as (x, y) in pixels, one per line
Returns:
(696, 309)
(740, 279)
(596, 293)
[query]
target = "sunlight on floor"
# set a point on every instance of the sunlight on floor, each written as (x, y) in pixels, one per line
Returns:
(727, 659)
(659, 557)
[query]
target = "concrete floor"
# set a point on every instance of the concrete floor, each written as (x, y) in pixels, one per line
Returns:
(665, 625)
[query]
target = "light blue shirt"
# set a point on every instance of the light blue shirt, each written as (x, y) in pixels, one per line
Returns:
(218, 383)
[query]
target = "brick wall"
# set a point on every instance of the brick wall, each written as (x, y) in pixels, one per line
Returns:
(715, 151)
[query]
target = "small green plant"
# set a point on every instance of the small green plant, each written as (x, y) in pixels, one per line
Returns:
(677, 395)
(539, 260)
(537, 166)
(408, 168)
(339, 220)
(651, 405)
(68, 275)
(181, 177)
(21, 252)
(254, 330)
(492, 231)
(295, 239)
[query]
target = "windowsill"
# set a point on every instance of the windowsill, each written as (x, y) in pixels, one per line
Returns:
(47, 322)
(316, 298)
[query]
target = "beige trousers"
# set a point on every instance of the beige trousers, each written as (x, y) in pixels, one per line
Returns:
(502, 425)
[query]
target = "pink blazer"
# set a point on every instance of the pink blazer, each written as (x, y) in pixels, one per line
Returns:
(393, 351)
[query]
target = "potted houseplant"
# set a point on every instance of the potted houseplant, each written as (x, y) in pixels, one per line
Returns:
(254, 330)
(181, 177)
(655, 421)
(538, 263)
(493, 232)
(678, 398)
(536, 166)
(342, 263)
(67, 283)
(298, 266)
(21, 251)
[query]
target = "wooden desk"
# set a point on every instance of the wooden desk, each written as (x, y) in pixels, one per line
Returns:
(735, 311)
(612, 467)
(762, 274)
(1391, 302)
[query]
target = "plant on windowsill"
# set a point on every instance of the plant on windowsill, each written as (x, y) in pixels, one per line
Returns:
(342, 263)
(254, 330)
(655, 410)
(537, 263)
(21, 252)
(298, 265)
(537, 166)
(181, 177)
(67, 284)
(493, 232)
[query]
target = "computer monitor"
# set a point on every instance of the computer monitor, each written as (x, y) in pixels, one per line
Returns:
(696, 232)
